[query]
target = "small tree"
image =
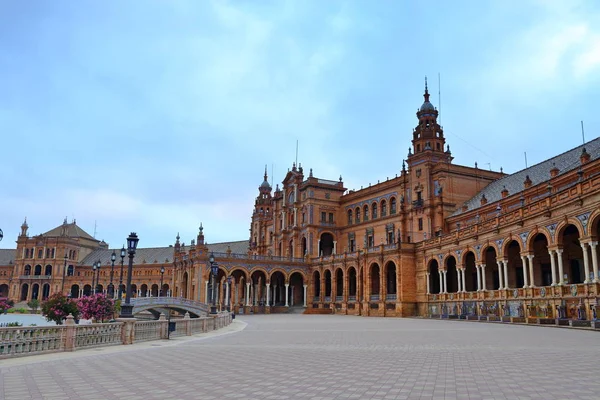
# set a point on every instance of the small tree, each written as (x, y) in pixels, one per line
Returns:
(34, 304)
(96, 307)
(58, 307)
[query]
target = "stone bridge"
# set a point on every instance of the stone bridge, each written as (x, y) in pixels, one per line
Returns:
(156, 305)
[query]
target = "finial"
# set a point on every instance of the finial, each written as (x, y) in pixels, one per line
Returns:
(177, 237)
(340, 178)
(65, 221)
(501, 171)
(201, 228)
(426, 95)
(404, 165)
(426, 91)
(310, 174)
(265, 172)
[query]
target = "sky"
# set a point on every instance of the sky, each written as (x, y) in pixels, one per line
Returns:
(156, 116)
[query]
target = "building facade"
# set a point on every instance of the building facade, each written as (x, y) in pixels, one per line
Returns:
(436, 239)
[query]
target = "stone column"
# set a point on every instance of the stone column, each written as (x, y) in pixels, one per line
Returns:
(531, 276)
(593, 245)
(248, 294)
(428, 286)
(586, 262)
(286, 295)
(445, 281)
(255, 295)
(441, 281)
(553, 267)
(458, 280)
(464, 287)
(227, 291)
(268, 291)
(500, 275)
(335, 247)
(305, 295)
(274, 294)
(525, 277)
(206, 292)
(478, 278)
(561, 273)
(505, 270)
(483, 283)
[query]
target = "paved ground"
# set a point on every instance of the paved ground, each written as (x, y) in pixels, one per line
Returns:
(326, 357)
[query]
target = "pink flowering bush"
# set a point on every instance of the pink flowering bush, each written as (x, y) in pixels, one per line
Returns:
(4, 305)
(96, 307)
(58, 307)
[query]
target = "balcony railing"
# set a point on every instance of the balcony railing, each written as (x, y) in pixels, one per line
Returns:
(374, 297)
(339, 299)
(351, 298)
(35, 277)
(327, 299)
(256, 257)
(390, 296)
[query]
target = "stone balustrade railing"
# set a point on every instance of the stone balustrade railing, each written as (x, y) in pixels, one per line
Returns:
(22, 341)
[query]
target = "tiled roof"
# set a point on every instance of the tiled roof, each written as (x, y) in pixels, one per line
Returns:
(73, 230)
(538, 173)
(158, 255)
(7, 256)
(239, 247)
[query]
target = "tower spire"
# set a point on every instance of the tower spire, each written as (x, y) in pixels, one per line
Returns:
(426, 94)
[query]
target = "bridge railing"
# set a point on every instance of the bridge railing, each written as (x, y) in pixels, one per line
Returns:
(169, 301)
(24, 341)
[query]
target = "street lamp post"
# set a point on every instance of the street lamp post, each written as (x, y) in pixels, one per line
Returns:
(127, 308)
(162, 273)
(121, 276)
(111, 287)
(62, 287)
(98, 276)
(94, 266)
(228, 301)
(214, 269)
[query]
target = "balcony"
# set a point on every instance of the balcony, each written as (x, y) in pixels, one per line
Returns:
(374, 297)
(32, 277)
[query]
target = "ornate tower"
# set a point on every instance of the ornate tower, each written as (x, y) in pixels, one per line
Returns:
(428, 137)
(262, 218)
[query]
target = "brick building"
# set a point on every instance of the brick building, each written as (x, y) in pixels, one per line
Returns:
(436, 239)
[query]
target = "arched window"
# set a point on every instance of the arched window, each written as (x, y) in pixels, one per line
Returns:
(373, 210)
(383, 208)
(357, 215)
(349, 217)
(393, 205)
(365, 213)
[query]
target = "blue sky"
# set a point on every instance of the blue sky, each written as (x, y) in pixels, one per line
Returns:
(154, 116)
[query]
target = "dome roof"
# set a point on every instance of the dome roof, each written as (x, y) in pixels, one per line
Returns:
(427, 106)
(265, 184)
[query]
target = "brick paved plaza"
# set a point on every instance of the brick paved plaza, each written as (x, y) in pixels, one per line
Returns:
(325, 357)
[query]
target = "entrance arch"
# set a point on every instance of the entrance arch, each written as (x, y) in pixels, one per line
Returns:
(4, 290)
(492, 272)
(35, 291)
(374, 275)
(351, 284)
(258, 288)
(74, 292)
(45, 291)
(154, 290)
(512, 254)
(277, 288)
(316, 286)
(24, 292)
(339, 284)
(542, 274)
(87, 290)
(390, 278)
(434, 277)
(471, 273)
(572, 255)
(297, 289)
(451, 275)
(327, 276)
(37, 270)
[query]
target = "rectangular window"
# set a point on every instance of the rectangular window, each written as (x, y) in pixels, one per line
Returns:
(323, 216)
(47, 253)
(53, 252)
(420, 224)
(390, 237)
(331, 218)
(351, 245)
(370, 241)
(40, 253)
